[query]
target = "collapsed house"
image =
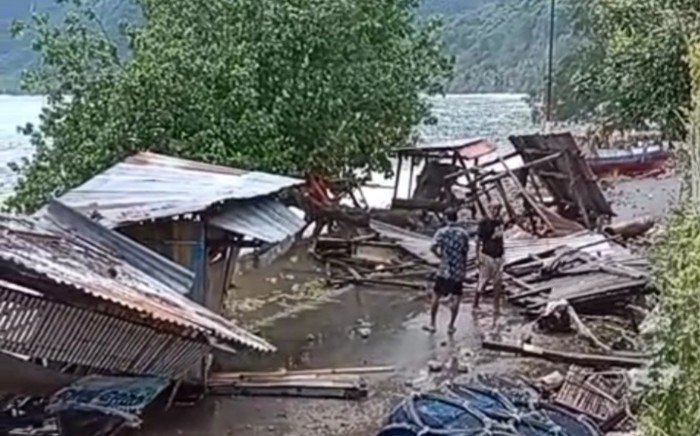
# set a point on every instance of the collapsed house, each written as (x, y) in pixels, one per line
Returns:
(78, 295)
(199, 215)
(440, 161)
(542, 171)
(78, 298)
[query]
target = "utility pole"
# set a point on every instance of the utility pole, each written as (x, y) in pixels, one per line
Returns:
(551, 60)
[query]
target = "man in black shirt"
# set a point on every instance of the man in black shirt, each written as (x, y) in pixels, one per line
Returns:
(490, 255)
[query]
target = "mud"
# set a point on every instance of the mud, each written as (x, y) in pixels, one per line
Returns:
(315, 327)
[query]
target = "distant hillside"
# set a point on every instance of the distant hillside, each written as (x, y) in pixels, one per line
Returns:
(17, 55)
(499, 45)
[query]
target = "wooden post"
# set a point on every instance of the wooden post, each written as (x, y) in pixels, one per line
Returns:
(526, 195)
(410, 177)
(506, 203)
(398, 176)
(574, 186)
(472, 185)
(536, 184)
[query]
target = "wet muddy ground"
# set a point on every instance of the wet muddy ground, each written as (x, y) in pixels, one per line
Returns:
(315, 328)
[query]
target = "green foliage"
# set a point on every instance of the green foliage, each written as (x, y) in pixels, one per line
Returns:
(672, 407)
(502, 44)
(16, 54)
(631, 71)
(280, 85)
(499, 45)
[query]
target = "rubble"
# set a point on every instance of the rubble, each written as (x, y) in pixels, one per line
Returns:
(564, 260)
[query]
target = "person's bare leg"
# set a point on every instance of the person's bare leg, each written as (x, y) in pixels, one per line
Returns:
(480, 286)
(434, 306)
(454, 311)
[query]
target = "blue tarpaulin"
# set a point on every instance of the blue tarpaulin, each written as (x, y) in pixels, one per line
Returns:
(121, 396)
(495, 409)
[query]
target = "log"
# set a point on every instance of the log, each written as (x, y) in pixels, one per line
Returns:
(419, 204)
(631, 228)
(581, 359)
(307, 389)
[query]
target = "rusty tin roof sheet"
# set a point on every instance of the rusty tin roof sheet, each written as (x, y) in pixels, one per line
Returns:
(149, 186)
(65, 258)
(265, 219)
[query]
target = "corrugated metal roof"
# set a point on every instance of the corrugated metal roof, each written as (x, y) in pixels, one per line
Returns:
(30, 245)
(172, 274)
(468, 148)
(148, 186)
(265, 219)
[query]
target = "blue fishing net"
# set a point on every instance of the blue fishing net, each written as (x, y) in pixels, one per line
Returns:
(437, 412)
(484, 409)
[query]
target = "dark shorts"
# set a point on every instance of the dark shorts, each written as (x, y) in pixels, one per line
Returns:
(444, 287)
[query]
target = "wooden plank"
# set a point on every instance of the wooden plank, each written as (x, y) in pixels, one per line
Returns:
(410, 176)
(419, 204)
(527, 294)
(398, 177)
(473, 186)
(272, 390)
(527, 197)
(581, 359)
(283, 372)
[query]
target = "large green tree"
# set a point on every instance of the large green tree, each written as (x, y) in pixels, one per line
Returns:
(287, 86)
(631, 70)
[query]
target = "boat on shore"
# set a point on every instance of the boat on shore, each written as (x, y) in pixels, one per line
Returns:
(630, 162)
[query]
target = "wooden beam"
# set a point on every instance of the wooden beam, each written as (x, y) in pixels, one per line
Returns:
(398, 176)
(581, 359)
(410, 177)
(509, 207)
(473, 187)
(528, 197)
(501, 159)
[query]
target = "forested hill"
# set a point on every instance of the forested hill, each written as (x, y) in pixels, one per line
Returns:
(499, 45)
(17, 55)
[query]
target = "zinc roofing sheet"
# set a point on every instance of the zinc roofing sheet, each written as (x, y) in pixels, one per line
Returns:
(29, 245)
(265, 219)
(149, 186)
(469, 148)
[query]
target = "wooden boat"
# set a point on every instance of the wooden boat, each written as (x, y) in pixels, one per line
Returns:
(631, 162)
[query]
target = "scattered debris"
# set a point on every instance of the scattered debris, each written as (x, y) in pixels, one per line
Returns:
(344, 383)
(598, 395)
(435, 366)
(631, 228)
(550, 382)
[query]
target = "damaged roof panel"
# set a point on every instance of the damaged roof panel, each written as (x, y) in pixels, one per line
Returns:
(34, 247)
(469, 148)
(172, 274)
(265, 219)
(149, 186)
